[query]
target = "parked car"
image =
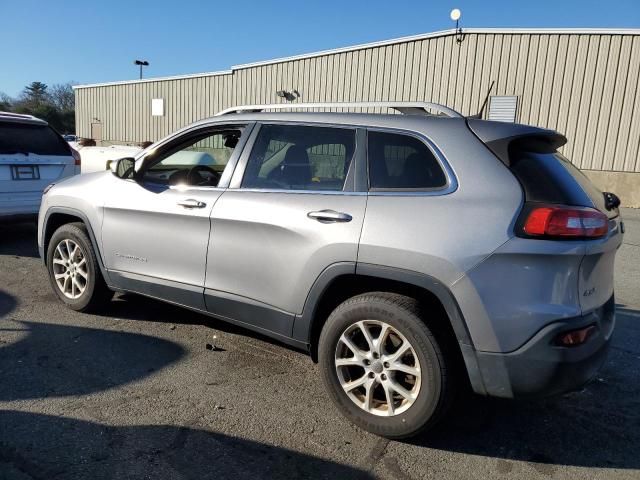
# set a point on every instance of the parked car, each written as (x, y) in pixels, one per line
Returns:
(32, 155)
(408, 254)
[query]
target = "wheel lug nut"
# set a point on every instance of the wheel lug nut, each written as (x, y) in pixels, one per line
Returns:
(371, 374)
(383, 376)
(367, 362)
(375, 355)
(386, 364)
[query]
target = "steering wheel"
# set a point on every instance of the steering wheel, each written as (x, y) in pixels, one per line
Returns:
(194, 177)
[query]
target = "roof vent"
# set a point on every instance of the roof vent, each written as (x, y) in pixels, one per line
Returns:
(503, 108)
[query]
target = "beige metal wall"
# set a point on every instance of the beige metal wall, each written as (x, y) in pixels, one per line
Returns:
(584, 85)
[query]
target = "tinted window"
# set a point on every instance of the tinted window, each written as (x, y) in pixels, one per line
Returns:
(300, 158)
(199, 160)
(37, 139)
(589, 188)
(400, 162)
(545, 178)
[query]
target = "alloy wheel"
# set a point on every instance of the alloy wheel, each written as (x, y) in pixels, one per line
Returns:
(70, 268)
(378, 368)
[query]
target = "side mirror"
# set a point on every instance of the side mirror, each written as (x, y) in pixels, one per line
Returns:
(123, 167)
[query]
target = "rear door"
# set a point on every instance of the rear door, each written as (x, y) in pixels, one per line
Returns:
(32, 155)
(292, 212)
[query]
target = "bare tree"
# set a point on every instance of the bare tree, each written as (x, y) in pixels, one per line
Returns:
(62, 97)
(6, 102)
(56, 105)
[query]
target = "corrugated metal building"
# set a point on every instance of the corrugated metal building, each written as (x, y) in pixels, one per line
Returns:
(582, 82)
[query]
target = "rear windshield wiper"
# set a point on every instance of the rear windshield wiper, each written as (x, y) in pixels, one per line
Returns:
(13, 152)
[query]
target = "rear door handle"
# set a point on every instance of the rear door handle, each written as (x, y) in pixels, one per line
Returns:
(192, 203)
(327, 216)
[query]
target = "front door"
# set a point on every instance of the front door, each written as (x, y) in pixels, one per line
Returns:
(293, 214)
(156, 228)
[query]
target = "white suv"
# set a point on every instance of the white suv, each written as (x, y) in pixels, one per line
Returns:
(32, 155)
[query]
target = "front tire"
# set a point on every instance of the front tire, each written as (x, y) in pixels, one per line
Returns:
(73, 268)
(383, 366)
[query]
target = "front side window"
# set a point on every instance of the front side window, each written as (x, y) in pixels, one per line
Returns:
(198, 161)
(399, 162)
(286, 157)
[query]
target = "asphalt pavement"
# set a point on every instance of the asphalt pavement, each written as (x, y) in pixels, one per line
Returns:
(136, 393)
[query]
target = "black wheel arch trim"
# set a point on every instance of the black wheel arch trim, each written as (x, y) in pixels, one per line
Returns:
(303, 324)
(75, 213)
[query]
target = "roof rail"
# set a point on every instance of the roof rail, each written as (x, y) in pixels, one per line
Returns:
(419, 108)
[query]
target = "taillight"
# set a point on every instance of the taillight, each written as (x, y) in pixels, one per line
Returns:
(563, 222)
(76, 156)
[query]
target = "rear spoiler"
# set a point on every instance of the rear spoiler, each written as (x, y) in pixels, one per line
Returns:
(502, 137)
(21, 118)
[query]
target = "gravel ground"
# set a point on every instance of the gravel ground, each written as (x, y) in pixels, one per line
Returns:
(134, 393)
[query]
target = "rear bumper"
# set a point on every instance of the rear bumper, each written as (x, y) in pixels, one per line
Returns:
(18, 218)
(540, 368)
(19, 203)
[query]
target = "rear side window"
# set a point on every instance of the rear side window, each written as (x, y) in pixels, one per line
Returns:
(35, 139)
(399, 162)
(287, 157)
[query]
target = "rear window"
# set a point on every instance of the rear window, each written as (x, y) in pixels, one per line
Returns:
(596, 196)
(551, 178)
(401, 162)
(35, 139)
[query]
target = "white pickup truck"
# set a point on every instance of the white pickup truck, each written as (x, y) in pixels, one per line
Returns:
(96, 159)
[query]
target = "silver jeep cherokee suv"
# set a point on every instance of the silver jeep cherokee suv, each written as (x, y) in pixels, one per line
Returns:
(407, 253)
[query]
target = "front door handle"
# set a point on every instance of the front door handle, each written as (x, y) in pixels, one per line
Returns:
(326, 216)
(192, 203)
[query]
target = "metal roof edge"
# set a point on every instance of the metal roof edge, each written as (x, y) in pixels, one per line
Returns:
(382, 43)
(154, 79)
(443, 33)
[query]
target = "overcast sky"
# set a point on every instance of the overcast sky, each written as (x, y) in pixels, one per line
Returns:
(87, 41)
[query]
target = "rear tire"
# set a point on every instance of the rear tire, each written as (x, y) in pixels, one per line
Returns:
(387, 401)
(74, 271)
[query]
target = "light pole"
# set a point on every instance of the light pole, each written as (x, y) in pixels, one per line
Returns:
(455, 16)
(141, 63)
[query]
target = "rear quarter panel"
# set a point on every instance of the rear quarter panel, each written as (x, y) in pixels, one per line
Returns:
(523, 286)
